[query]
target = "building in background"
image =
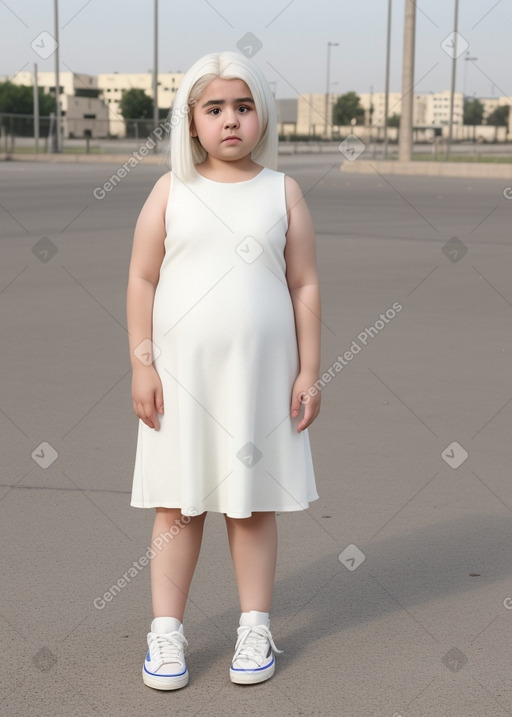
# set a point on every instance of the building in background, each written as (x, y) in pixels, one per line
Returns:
(311, 114)
(286, 117)
(112, 85)
(429, 110)
(492, 103)
(91, 106)
(84, 113)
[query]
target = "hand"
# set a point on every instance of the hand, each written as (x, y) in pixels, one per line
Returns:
(147, 395)
(302, 395)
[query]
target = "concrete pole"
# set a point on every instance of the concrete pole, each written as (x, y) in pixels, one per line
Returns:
(36, 109)
(406, 136)
(327, 83)
(454, 72)
(57, 142)
(155, 71)
(386, 96)
(328, 119)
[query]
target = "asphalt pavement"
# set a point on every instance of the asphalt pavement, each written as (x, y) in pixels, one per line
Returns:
(393, 593)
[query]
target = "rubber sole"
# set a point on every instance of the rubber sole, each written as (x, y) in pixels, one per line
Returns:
(164, 683)
(251, 678)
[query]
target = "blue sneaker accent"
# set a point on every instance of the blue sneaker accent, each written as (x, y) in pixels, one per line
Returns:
(164, 667)
(254, 659)
(255, 669)
(161, 674)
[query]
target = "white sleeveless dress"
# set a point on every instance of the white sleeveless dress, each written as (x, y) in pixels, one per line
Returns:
(226, 353)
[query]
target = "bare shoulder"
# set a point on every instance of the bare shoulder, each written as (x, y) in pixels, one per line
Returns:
(162, 185)
(156, 202)
(293, 192)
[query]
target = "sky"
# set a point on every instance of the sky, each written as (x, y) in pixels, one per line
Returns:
(117, 35)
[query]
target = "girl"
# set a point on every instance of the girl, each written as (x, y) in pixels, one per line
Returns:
(224, 323)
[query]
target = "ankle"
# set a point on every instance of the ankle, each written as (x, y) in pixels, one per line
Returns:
(163, 625)
(253, 618)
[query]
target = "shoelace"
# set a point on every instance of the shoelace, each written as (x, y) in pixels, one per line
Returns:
(167, 648)
(252, 643)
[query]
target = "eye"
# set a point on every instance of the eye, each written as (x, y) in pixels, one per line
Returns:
(245, 109)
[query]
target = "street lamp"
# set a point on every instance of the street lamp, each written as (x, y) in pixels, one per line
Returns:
(405, 133)
(57, 139)
(156, 113)
(467, 58)
(454, 70)
(327, 89)
(386, 95)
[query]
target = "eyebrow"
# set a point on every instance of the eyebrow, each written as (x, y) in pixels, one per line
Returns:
(223, 102)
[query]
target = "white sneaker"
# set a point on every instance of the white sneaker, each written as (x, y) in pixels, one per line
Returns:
(165, 667)
(254, 659)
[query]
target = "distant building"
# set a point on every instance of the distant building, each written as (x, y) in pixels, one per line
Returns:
(112, 86)
(90, 104)
(429, 110)
(377, 101)
(286, 117)
(84, 114)
(437, 108)
(311, 115)
(492, 103)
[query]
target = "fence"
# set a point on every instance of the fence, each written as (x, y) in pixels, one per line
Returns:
(17, 131)
(92, 135)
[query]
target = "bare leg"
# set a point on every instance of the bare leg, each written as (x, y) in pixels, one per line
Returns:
(253, 546)
(172, 568)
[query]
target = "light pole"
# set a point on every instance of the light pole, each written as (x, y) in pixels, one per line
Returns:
(454, 69)
(386, 91)
(328, 82)
(56, 144)
(406, 120)
(155, 71)
(36, 108)
(467, 58)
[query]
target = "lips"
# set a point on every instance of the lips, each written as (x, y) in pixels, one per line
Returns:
(226, 139)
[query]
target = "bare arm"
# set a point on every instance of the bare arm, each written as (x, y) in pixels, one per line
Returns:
(302, 279)
(146, 260)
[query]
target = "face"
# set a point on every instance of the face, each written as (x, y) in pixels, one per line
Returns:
(225, 120)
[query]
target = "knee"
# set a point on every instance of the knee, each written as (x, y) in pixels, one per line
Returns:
(175, 516)
(256, 518)
(168, 513)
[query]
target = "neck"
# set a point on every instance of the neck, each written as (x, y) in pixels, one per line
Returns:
(236, 170)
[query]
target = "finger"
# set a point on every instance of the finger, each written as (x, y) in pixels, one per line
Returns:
(297, 400)
(310, 414)
(139, 412)
(303, 424)
(159, 399)
(151, 415)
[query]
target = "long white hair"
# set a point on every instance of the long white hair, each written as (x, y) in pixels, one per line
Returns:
(185, 151)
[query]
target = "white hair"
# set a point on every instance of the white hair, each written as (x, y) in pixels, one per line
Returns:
(185, 151)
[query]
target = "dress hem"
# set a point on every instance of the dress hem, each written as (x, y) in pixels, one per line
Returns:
(229, 514)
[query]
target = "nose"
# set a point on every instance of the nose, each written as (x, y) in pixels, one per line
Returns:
(231, 118)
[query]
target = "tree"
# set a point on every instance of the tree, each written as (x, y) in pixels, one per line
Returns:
(136, 104)
(347, 108)
(394, 120)
(499, 118)
(473, 113)
(19, 99)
